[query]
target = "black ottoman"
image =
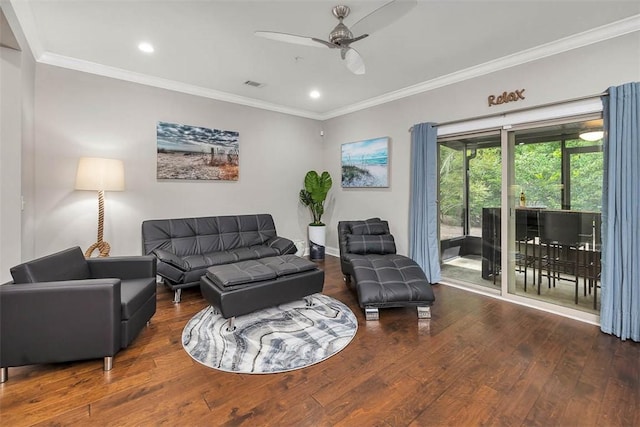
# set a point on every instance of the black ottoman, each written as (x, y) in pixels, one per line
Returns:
(243, 287)
(391, 280)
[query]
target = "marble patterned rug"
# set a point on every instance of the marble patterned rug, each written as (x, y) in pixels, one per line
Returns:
(277, 339)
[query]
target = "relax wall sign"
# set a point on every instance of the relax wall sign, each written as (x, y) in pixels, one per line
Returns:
(505, 97)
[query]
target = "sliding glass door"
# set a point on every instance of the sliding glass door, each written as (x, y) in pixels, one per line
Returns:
(469, 189)
(555, 254)
(520, 212)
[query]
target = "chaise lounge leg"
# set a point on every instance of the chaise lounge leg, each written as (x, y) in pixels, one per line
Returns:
(308, 301)
(177, 294)
(108, 363)
(424, 312)
(371, 313)
(4, 374)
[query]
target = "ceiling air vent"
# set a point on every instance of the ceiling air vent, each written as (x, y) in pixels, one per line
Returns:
(253, 84)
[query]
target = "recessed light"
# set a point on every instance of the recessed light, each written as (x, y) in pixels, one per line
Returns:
(314, 94)
(146, 47)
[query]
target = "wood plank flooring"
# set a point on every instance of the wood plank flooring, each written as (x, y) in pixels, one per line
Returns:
(478, 361)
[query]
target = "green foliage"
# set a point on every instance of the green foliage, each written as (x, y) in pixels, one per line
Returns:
(314, 193)
(538, 172)
(538, 169)
(485, 179)
(451, 186)
(586, 181)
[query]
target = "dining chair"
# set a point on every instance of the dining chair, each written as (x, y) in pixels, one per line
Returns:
(526, 233)
(560, 237)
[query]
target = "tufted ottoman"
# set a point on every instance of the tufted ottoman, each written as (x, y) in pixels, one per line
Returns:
(390, 281)
(246, 286)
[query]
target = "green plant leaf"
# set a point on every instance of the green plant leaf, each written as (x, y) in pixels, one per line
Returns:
(316, 188)
(305, 197)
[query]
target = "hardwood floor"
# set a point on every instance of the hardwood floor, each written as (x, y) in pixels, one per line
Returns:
(478, 361)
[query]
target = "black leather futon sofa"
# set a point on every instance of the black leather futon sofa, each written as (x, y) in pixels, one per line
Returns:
(186, 247)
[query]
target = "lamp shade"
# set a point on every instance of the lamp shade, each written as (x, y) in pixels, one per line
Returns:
(100, 174)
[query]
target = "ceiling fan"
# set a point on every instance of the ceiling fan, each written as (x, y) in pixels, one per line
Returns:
(341, 37)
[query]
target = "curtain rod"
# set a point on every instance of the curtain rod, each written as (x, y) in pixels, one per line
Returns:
(518, 110)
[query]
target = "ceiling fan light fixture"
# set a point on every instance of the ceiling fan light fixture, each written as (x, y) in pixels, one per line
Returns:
(592, 135)
(354, 61)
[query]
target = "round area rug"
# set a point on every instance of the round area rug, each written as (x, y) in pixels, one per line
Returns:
(277, 339)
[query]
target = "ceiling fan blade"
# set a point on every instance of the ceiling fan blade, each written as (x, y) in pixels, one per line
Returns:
(353, 40)
(289, 38)
(353, 60)
(383, 16)
(326, 43)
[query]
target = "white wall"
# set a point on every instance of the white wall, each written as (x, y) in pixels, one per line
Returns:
(27, 163)
(581, 72)
(17, 70)
(79, 114)
(10, 138)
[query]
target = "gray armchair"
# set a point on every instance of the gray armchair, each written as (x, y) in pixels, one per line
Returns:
(63, 307)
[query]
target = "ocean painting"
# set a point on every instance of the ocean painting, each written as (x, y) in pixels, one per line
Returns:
(366, 163)
(192, 152)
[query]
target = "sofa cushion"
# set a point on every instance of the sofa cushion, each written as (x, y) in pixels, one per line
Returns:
(134, 293)
(194, 262)
(288, 264)
(282, 245)
(390, 280)
(69, 264)
(239, 273)
(170, 258)
(371, 244)
(370, 226)
(255, 252)
(196, 236)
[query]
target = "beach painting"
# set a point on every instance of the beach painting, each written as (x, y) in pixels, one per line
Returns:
(366, 163)
(196, 153)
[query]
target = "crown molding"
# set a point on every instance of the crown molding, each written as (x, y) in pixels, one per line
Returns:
(595, 35)
(145, 79)
(19, 13)
(602, 33)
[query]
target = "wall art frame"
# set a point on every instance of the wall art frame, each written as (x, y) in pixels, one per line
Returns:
(365, 164)
(196, 153)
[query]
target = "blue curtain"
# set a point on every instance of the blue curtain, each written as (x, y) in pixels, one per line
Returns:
(620, 310)
(423, 209)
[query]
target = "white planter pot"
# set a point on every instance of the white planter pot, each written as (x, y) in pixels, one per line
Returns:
(317, 235)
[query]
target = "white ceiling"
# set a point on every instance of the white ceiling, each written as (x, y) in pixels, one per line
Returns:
(208, 47)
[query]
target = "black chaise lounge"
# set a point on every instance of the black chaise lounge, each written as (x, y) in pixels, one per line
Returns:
(63, 307)
(382, 277)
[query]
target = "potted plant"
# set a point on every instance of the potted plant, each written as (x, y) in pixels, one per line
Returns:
(313, 195)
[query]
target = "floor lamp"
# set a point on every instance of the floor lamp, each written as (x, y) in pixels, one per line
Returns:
(100, 175)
